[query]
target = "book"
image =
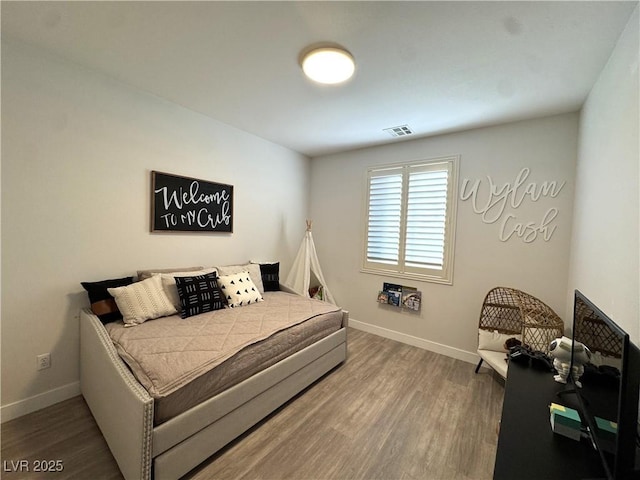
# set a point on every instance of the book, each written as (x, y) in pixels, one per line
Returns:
(411, 299)
(394, 298)
(393, 292)
(565, 421)
(383, 297)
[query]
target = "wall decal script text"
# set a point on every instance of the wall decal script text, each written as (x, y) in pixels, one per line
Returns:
(492, 206)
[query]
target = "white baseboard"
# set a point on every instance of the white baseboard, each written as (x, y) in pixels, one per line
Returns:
(38, 402)
(469, 357)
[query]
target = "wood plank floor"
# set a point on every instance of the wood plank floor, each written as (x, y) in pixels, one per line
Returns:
(392, 411)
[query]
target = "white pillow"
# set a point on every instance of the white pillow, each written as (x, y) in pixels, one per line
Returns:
(144, 274)
(142, 301)
(494, 341)
(239, 289)
(252, 268)
(169, 283)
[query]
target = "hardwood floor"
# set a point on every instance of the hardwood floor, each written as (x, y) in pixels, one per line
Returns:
(392, 411)
(65, 433)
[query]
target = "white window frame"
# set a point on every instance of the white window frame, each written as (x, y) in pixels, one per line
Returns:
(435, 274)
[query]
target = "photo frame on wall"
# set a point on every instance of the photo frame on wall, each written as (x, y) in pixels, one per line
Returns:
(184, 204)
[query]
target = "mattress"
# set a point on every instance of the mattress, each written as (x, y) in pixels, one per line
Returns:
(182, 362)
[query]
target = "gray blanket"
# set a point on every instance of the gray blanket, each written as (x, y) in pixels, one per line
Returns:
(169, 352)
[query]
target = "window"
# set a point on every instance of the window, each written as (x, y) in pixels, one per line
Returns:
(410, 223)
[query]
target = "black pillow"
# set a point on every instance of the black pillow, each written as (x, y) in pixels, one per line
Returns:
(103, 304)
(199, 294)
(270, 273)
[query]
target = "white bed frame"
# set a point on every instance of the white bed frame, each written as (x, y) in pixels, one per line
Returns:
(123, 409)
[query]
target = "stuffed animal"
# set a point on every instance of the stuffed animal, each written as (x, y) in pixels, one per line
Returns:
(560, 351)
(511, 342)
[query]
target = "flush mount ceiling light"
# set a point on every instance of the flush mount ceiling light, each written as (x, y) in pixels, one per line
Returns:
(329, 65)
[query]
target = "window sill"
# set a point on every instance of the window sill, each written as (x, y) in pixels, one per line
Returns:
(410, 276)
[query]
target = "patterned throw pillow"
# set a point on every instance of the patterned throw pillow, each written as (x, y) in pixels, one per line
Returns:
(169, 283)
(102, 303)
(143, 301)
(239, 289)
(199, 294)
(252, 268)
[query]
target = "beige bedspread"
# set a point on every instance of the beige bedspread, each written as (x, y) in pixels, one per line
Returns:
(167, 353)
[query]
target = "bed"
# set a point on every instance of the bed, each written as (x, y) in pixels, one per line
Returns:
(162, 421)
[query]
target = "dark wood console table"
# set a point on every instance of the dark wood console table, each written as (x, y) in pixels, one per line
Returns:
(527, 447)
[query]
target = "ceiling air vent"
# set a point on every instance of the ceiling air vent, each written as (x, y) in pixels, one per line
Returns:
(400, 131)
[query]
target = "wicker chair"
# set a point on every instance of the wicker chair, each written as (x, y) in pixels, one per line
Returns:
(511, 313)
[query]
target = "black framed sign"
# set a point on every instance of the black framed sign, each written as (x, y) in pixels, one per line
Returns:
(183, 204)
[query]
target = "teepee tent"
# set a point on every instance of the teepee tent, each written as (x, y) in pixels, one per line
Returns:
(305, 266)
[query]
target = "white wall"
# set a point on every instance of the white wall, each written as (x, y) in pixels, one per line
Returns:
(449, 317)
(605, 244)
(77, 151)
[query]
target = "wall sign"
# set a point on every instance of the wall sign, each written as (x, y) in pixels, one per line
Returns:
(493, 205)
(185, 204)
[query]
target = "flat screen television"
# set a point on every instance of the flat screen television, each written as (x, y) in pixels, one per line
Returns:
(608, 397)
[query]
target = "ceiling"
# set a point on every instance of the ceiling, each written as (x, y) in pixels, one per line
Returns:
(435, 66)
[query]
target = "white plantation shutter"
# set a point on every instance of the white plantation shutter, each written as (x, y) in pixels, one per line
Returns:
(426, 216)
(385, 208)
(410, 219)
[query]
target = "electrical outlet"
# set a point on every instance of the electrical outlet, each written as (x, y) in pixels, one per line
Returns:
(44, 361)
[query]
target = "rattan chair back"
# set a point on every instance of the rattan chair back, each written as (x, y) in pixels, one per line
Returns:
(511, 311)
